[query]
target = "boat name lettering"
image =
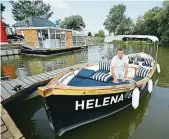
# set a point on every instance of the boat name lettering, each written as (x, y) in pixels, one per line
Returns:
(95, 103)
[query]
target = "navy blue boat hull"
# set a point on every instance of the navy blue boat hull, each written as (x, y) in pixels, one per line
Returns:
(66, 112)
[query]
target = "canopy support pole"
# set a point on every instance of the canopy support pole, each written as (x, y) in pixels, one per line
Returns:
(157, 51)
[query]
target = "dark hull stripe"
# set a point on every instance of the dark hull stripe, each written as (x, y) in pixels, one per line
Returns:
(63, 130)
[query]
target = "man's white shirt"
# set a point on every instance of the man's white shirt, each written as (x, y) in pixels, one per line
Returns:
(119, 64)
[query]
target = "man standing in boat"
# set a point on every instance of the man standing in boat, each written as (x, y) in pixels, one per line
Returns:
(119, 66)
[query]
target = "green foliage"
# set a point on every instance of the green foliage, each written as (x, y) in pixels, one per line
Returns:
(2, 10)
(148, 24)
(96, 35)
(95, 40)
(116, 21)
(74, 22)
(22, 9)
(114, 18)
(125, 27)
(100, 33)
(89, 34)
(155, 22)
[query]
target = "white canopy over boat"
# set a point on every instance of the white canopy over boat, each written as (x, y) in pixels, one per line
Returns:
(120, 37)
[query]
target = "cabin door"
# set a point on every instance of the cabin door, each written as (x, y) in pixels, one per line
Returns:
(58, 40)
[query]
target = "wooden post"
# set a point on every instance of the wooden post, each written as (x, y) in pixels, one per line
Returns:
(49, 37)
(42, 38)
(55, 39)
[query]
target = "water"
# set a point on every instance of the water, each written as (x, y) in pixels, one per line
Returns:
(149, 120)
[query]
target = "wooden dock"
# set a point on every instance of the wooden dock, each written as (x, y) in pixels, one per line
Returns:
(10, 52)
(8, 128)
(24, 86)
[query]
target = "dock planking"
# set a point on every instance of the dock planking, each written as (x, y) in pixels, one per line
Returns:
(42, 77)
(25, 80)
(13, 83)
(32, 79)
(3, 129)
(20, 82)
(8, 87)
(30, 82)
(9, 52)
(37, 78)
(48, 76)
(2, 123)
(6, 135)
(4, 93)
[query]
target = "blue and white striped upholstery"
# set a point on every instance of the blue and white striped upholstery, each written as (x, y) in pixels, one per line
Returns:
(148, 61)
(102, 77)
(142, 72)
(131, 58)
(104, 65)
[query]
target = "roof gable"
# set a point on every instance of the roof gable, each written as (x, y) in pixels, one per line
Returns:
(35, 22)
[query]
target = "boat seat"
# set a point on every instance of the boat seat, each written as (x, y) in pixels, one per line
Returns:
(85, 73)
(85, 82)
(146, 65)
(137, 78)
(81, 82)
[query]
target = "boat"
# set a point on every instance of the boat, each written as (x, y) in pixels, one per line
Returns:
(83, 95)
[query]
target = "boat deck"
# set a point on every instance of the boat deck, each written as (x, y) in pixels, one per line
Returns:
(80, 82)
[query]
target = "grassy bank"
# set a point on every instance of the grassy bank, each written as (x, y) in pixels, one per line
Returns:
(95, 40)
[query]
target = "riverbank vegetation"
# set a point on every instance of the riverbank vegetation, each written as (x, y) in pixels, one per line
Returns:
(154, 22)
(95, 40)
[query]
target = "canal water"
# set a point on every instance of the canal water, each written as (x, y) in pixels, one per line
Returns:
(149, 120)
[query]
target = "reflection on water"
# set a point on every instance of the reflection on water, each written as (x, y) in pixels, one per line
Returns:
(31, 65)
(23, 65)
(150, 120)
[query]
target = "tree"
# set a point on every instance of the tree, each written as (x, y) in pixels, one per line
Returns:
(96, 35)
(74, 22)
(140, 28)
(126, 27)
(155, 22)
(114, 18)
(164, 23)
(24, 8)
(89, 34)
(100, 33)
(2, 10)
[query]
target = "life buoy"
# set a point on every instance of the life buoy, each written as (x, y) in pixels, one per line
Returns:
(135, 98)
(150, 85)
(158, 68)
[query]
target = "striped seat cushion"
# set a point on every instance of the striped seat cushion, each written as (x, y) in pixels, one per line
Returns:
(142, 72)
(104, 65)
(131, 58)
(102, 77)
(148, 61)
